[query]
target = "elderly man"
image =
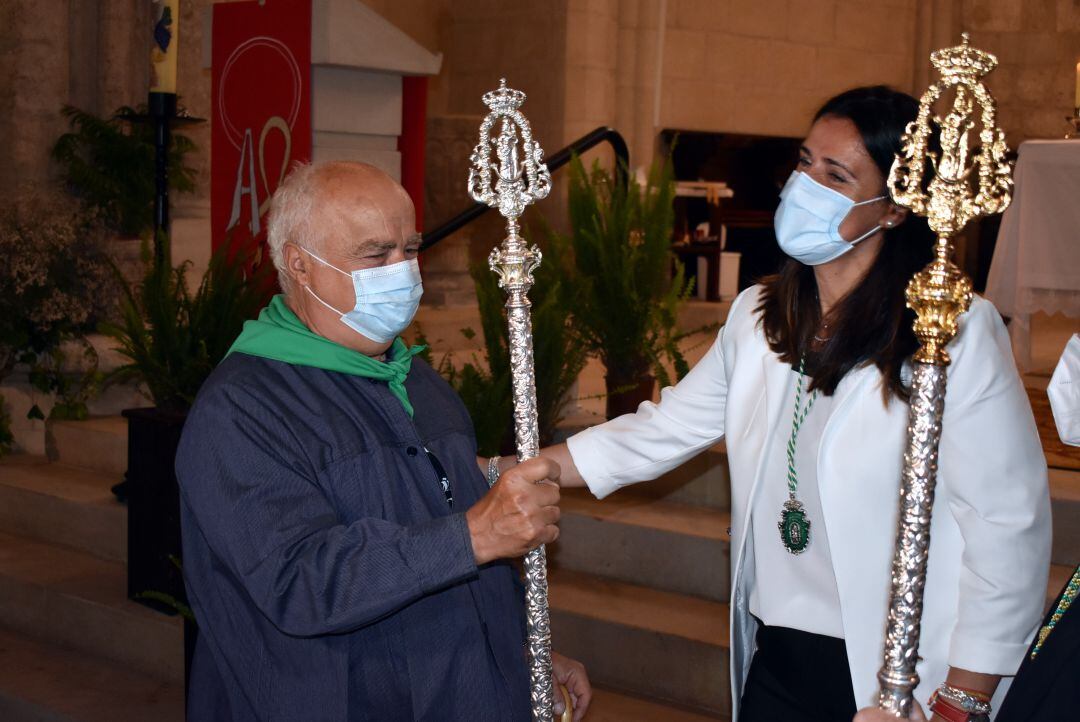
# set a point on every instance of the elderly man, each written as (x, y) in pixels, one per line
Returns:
(343, 554)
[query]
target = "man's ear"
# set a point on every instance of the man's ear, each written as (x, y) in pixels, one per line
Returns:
(296, 264)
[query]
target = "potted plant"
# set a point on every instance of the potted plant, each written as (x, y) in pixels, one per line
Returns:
(55, 286)
(484, 384)
(617, 258)
(108, 163)
(172, 339)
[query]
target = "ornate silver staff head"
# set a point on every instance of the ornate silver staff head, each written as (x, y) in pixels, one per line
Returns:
(513, 181)
(519, 177)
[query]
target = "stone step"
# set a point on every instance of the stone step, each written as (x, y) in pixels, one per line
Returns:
(442, 325)
(667, 646)
(41, 682)
(641, 641)
(454, 335)
(653, 543)
(98, 444)
(1065, 501)
(610, 706)
(702, 481)
(73, 599)
(62, 505)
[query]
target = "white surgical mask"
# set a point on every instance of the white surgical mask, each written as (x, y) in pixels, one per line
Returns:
(386, 298)
(808, 221)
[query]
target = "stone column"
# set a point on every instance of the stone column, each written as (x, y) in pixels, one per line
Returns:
(35, 52)
(937, 25)
(636, 77)
(524, 41)
(124, 60)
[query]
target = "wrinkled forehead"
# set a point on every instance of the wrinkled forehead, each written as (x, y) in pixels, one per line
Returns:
(360, 204)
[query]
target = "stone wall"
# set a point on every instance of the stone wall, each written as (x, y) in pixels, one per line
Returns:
(1037, 43)
(764, 66)
(742, 66)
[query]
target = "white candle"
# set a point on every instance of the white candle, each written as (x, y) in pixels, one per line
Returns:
(1077, 103)
(163, 47)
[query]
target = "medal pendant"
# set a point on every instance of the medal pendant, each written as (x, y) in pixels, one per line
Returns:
(794, 527)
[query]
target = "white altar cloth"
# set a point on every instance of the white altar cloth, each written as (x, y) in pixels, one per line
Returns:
(1036, 263)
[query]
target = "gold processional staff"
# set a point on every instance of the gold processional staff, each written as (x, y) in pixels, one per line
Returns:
(970, 179)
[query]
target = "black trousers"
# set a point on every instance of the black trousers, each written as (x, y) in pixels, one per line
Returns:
(797, 676)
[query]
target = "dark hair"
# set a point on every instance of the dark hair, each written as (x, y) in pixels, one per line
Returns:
(871, 324)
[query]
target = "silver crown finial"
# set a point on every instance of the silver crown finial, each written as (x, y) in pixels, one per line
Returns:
(516, 177)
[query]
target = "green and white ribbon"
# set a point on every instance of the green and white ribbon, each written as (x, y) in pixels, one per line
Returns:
(797, 420)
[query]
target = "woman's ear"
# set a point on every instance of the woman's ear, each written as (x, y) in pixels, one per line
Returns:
(894, 216)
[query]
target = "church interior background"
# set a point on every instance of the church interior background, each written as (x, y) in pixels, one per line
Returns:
(729, 84)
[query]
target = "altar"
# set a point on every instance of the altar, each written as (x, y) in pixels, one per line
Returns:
(1036, 263)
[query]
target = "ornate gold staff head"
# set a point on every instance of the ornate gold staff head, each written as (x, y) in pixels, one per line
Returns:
(970, 179)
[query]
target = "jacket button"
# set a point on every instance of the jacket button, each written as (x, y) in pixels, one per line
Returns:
(411, 451)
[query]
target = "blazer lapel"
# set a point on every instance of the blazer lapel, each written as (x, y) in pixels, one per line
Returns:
(777, 375)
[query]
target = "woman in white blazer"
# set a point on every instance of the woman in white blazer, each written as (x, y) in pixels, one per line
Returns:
(816, 456)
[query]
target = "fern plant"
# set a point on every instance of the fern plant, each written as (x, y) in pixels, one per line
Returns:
(484, 384)
(111, 166)
(172, 338)
(618, 260)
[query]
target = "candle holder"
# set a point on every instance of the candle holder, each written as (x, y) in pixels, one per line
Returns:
(1074, 121)
(163, 114)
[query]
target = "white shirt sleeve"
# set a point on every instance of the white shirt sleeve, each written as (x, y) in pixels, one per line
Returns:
(992, 474)
(658, 437)
(1064, 393)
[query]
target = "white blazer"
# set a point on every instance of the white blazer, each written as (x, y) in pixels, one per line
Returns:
(990, 531)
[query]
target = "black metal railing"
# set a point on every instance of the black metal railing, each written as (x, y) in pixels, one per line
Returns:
(556, 161)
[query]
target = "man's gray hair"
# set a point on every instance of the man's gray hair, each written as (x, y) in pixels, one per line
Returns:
(290, 219)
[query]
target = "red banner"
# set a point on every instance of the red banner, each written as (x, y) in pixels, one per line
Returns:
(261, 112)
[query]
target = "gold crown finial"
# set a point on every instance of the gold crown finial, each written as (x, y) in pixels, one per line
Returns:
(968, 175)
(963, 60)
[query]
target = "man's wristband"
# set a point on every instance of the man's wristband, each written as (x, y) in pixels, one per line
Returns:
(493, 470)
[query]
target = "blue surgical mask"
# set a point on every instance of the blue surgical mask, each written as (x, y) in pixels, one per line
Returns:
(386, 298)
(808, 221)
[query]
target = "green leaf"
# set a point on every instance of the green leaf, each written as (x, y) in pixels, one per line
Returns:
(170, 601)
(174, 338)
(109, 163)
(617, 258)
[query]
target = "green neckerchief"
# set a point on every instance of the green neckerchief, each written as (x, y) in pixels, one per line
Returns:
(278, 334)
